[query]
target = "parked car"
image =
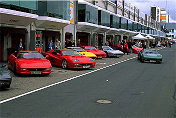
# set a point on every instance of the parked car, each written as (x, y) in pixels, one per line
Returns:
(83, 52)
(136, 49)
(5, 77)
(111, 52)
(67, 58)
(29, 62)
(150, 55)
(99, 53)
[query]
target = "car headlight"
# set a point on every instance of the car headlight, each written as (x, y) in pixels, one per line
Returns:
(76, 60)
(23, 69)
(90, 59)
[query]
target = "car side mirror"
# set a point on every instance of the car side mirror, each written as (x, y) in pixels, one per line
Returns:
(47, 56)
(58, 54)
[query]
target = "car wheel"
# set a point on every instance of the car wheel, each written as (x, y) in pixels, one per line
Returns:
(142, 60)
(64, 64)
(9, 65)
(158, 62)
(14, 68)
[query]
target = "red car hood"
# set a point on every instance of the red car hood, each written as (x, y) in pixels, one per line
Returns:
(34, 63)
(97, 52)
(137, 48)
(82, 59)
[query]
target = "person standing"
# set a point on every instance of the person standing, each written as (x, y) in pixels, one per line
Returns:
(130, 46)
(50, 45)
(79, 43)
(20, 46)
(125, 47)
(57, 44)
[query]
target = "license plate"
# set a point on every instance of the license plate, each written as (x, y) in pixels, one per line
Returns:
(35, 72)
(152, 61)
(86, 66)
(99, 57)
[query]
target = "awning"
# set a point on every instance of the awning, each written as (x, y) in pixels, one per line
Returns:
(139, 37)
(149, 37)
(86, 27)
(51, 23)
(18, 18)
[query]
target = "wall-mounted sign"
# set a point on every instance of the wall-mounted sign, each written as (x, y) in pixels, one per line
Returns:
(71, 11)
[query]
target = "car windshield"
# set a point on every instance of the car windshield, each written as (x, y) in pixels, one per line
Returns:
(107, 48)
(30, 55)
(90, 48)
(79, 50)
(150, 52)
(70, 52)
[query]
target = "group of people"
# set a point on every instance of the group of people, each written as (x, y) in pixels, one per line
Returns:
(69, 43)
(52, 45)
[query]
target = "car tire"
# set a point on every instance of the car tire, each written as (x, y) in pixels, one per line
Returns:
(142, 60)
(14, 68)
(64, 64)
(8, 65)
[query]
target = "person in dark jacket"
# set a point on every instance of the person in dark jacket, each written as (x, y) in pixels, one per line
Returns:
(130, 46)
(50, 45)
(20, 46)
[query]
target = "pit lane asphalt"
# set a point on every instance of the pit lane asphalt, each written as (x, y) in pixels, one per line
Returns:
(24, 84)
(137, 90)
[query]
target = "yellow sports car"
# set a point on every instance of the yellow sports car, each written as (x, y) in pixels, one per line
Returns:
(83, 52)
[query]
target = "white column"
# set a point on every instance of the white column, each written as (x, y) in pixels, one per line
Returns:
(121, 37)
(27, 37)
(74, 35)
(104, 38)
(62, 38)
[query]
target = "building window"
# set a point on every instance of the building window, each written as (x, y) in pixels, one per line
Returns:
(87, 13)
(114, 21)
(103, 18)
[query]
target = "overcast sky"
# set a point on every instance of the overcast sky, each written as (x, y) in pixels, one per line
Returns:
(144, 6)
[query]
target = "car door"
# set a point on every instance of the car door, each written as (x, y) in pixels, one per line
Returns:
(11, 60)
(55, 58)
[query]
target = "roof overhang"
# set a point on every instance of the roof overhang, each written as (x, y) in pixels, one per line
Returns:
(18, 18)
(86, 27)
(51, 23)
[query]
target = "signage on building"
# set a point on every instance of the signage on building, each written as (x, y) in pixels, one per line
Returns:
(71, 11)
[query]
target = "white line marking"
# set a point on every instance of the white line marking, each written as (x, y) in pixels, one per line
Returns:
(3, 101)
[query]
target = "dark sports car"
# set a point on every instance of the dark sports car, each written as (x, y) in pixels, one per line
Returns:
(5, 78)
(150, 55)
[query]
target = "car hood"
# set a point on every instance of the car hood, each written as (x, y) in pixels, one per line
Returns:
(82, 59)
(137, 48)
(97, 52)
(87, 54)
(4, 74)
(115, 51)
(34, 63)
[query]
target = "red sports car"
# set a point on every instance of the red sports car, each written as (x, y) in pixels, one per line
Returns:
(67, 58)
(98, 53)
(29, 62)
(136, 49)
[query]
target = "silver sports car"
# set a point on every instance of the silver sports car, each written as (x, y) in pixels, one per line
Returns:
(111, 52)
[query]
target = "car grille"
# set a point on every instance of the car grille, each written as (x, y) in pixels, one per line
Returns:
(36, 69)
(85, 64)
